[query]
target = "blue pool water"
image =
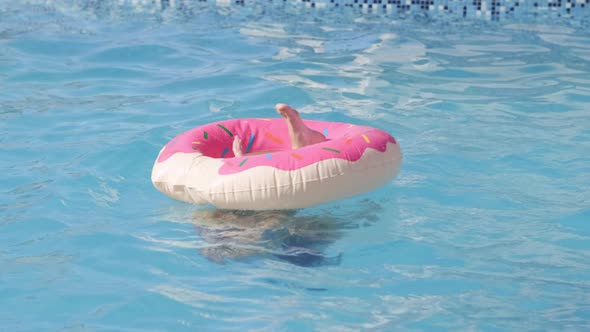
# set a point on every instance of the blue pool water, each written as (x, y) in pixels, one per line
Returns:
(486, 228)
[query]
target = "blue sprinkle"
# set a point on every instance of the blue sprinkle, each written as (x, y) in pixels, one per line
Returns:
(225, 151)
(250, 143)
(326, 132)
(268, 156)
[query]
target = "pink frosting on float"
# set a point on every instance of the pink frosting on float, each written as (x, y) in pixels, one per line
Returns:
(270, 138)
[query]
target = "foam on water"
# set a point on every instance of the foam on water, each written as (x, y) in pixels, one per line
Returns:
(486, 227)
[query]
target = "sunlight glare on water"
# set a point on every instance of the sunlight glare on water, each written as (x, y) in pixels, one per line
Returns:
(485, 228)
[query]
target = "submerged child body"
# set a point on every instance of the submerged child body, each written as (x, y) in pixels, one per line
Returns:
(300, 134)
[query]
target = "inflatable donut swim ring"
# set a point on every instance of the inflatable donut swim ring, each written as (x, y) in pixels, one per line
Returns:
(198, 166)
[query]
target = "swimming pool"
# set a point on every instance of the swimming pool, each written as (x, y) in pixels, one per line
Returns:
(486, 227)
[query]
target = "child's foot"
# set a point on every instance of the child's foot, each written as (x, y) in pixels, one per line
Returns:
(237, 147)
(300, 134)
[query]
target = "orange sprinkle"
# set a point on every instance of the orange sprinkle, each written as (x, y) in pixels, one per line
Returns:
(296, 156)
(196, 142)
(348, 141)
(274, 139)
(366, 138)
